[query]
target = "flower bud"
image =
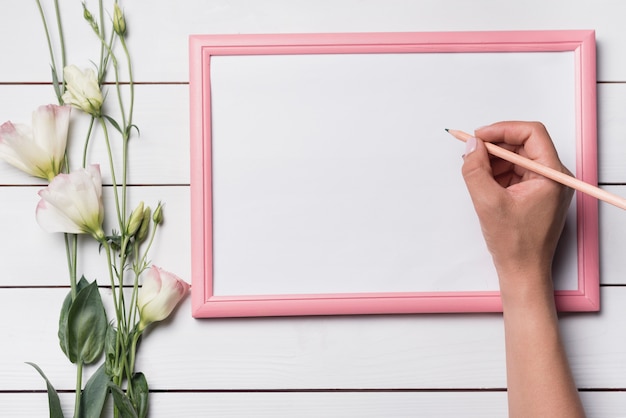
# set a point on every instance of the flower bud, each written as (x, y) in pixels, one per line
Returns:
(87, 14)
(160, 293)
(135, 220)
(89, 18)
(158, 214)
(119, 22)
(145, 225)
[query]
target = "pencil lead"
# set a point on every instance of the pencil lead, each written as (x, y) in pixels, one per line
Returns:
(447, 130)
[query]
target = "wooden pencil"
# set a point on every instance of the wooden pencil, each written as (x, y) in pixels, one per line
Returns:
(545, 171)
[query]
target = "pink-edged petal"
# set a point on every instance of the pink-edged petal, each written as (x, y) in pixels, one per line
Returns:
(18, 149)
(51, 219)
(160, 293)
(75, 202)
(50, 128)
(40, 150)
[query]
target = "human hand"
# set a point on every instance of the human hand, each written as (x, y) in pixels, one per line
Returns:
(521, 213)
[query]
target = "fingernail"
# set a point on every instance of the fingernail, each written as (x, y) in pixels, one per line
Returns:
(470, 145)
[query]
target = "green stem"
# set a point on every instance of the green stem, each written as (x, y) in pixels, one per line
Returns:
(127, 123)
(120, 218)
(48, 40)
(144, 258)
(133, 349)
(87, 140)
(131, 365)
(139, 266)
(79, 387)
(60, 29)
(131, 83)
(133, 298)
(51, 50)
(121, 333)
(107, 249)
(121, 269)
(70, 251)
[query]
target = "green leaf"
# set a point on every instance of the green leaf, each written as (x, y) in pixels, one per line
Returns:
(122, 403)
(130, 128)
(54, 403)
(67, 303)
(114, 123)
(140, 393)
(86, 325)
(95, 394)
(110, 350)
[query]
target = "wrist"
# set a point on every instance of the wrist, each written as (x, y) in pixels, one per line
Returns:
(526, 288)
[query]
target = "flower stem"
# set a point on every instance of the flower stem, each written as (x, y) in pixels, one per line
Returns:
(133, 355)
(107, 249)
(127, 122)
(71, 250)
(60, 29)
(87, 140)
(103, 124)
(59, 87)
(45, 27)
(79, 386)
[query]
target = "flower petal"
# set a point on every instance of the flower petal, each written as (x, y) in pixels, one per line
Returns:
(51, 219)
(83, 90)
(160, 293)
(74, 202)
(39, 151)
(50, 127)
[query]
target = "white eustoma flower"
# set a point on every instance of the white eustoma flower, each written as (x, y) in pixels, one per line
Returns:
(38, 150)
(159, 294)
(83, 91)
(72, 203)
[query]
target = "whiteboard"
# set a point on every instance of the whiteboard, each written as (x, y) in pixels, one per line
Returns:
(330, 175)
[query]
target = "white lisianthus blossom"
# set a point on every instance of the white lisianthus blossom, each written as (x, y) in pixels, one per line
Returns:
(72, 203)
(83, 91)
(160, 293)
(38, 150)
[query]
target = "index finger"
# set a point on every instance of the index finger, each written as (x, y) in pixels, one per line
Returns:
(530, 139)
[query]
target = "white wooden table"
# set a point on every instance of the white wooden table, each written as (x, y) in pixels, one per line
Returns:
(364, 366)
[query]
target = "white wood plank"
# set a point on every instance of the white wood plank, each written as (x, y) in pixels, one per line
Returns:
(158, 32)
(612, 240)
(172, 250)
(277, 405)
(363, 352)
(35, 257)
(611, 132)
(159, 155)
(314, 404)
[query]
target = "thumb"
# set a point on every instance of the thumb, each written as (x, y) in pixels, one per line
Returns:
(477, 171)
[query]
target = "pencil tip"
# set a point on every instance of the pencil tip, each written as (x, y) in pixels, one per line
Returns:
(447, 130)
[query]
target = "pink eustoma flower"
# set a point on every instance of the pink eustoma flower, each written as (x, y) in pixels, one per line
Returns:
(38, 150)
(72, 203)
(160, 293)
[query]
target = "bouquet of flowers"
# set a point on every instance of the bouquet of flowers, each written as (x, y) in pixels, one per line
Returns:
(72, 204)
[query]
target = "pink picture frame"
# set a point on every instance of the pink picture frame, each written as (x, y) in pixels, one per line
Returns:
(243, 177)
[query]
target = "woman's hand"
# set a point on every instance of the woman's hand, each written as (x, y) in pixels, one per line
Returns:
(521, 213)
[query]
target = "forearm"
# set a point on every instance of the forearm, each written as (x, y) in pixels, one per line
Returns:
(539, 380)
